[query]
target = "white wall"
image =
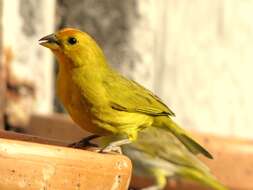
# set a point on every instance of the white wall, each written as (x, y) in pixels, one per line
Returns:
(30, 65)
(206, 75)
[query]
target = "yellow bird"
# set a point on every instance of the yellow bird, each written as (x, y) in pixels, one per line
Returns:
(102, 101)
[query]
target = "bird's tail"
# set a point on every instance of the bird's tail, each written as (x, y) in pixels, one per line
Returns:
(168, 124)
(203, 178)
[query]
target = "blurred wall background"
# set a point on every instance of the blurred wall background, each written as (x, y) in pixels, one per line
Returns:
(196, 55)
(27, 68)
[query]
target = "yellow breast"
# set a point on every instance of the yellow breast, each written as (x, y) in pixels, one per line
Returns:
(71, 97)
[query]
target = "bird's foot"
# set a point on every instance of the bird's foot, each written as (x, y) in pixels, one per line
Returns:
(85, 142)
(111, 149)
(114, 147)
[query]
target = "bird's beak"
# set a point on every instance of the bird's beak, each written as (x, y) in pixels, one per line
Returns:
(50, 42)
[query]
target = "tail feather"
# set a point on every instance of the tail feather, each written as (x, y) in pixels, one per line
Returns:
(193, 146)
(205, 179)
(190, 144)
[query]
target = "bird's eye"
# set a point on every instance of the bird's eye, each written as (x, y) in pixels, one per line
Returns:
(72, 40)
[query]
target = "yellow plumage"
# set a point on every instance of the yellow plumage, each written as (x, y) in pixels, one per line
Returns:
(101, 100)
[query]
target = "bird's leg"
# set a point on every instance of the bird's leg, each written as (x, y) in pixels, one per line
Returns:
(160, 179)
(85, 142)
(115, 146)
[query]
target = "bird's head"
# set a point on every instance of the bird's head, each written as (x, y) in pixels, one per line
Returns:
(74, 45)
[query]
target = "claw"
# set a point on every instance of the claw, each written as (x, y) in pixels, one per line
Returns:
(111, 149)
(114, 147)
(85, 142)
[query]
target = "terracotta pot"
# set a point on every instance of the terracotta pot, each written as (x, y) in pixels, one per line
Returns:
(34, 166)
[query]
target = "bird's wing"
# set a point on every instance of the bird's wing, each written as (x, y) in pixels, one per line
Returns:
(127, 95)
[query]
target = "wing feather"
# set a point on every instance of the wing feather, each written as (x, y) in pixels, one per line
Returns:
(127, 95)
